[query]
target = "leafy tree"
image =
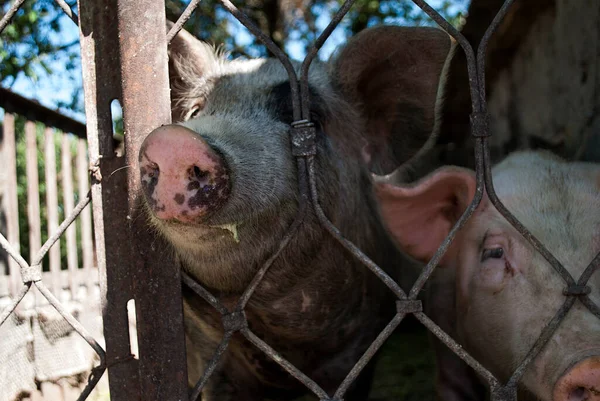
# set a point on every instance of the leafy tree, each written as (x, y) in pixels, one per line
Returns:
(31, 46)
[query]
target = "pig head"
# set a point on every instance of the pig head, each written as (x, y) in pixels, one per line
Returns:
(505, 291)
(221, 186)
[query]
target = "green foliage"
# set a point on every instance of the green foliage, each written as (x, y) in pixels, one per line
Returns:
(31, 46)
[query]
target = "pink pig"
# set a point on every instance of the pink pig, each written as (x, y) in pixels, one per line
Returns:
(504, 292)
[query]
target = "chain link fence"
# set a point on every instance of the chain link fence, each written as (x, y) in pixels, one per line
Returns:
(127, 270)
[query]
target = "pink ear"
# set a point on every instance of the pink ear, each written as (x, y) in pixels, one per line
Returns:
(419, 217)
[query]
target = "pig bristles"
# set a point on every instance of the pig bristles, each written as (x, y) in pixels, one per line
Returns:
(191, 84)
(119, 169)
(153, 226)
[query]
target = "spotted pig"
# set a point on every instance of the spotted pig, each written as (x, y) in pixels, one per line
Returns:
(495, 292)
(221, 186)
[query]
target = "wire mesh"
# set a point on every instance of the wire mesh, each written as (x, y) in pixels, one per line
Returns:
(303, 133)
(302, 138)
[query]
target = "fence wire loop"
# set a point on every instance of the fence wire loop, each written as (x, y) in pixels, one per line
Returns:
(406, 306)
(577, 290)
(31, 274)
(235, 321)
(95, 171)
(303, 133)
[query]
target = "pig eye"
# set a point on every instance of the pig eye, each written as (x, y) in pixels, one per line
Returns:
(492, 253)
(193, 113)
(195, 110)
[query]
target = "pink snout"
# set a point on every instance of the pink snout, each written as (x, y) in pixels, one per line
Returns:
(182, 177)
(580, 383)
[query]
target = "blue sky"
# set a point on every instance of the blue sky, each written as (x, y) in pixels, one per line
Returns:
(51, 90)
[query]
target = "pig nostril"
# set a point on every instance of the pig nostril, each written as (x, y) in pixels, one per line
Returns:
(579, 394)
(153, 170)
(200, 174)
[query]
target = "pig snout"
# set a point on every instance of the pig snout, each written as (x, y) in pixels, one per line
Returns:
(581, 382)
(182, 177)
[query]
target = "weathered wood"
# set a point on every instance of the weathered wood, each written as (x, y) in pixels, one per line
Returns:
(542, 79)
(87, 246)
(33, 200)
(34, 111)
(33, 190)
(64, 279)
(52, 206)
(9, 202)
(547, 94)
(69, 205)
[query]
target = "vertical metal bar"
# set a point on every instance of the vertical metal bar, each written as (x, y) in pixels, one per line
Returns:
(52, 208)
(69, 204)
(100, 60)
(146, 105)
(8, 150)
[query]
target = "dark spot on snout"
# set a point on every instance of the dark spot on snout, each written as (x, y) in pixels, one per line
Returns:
(212, 190)
(179, 198)
(149, 179)
(195, 173)
(200, 174)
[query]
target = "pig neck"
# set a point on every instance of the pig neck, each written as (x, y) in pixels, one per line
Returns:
(316, 270)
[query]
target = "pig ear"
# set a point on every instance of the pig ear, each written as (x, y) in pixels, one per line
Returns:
(190, 59)
(394, 74)
(419, 217)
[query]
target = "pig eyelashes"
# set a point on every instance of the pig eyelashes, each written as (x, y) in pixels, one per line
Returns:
(492, 253)
(493, 246)
(195, 110)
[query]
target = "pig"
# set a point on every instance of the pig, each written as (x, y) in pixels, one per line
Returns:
(221, 186)
(499, 291)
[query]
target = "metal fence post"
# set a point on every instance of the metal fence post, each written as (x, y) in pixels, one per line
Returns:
(146, 105)
(124, 57)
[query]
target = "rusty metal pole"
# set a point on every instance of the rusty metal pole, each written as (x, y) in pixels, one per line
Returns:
(102, 84)
(124, 57)
(157, 285)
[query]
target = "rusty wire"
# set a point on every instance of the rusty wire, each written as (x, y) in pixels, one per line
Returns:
(306, 153)
(185, 16)
(68, 11)
(10, 13)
